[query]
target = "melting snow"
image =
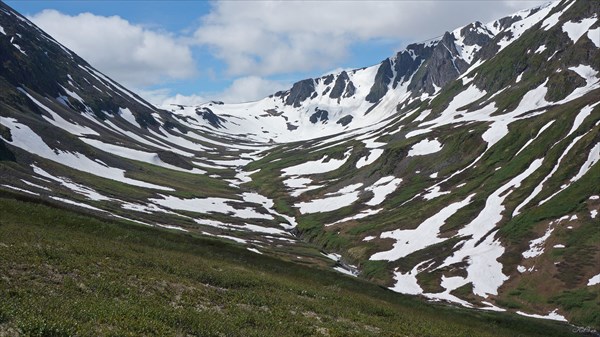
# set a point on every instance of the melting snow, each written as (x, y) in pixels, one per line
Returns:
(594, 280)
(147, 157)
(77, 188)
(19, 189)
(316, 167)
(594, 36)
(25, 138)
(407, 283)
(127, 115)
(299, 185)
(426, 234)
(67, 201)
(484, 270)
(434, 192)
(519, 78)
(209, 205)
(254, 250)
(332, 201)
(536, 136)
(540, 49)
(553, 316)
(361, 215)
(370, 158)
(425, 147)
(576, 29)
(593, 158)
(382, 188)
(60, 122)
(344, 271)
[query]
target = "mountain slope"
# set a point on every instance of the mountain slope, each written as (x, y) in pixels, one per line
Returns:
(463, 169)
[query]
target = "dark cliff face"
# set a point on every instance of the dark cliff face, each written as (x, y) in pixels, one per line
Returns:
(409, 60)
(319, 116)
(382, 80)
(300, 91)
(32, 60)
(473, 34)
(208, 115)
(340, 85)
(443, 66)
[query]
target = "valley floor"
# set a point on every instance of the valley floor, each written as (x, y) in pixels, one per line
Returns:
(64, 273)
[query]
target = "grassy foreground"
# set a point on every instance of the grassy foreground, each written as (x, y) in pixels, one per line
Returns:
(64, 274)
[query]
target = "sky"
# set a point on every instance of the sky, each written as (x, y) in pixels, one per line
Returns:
(189, 52)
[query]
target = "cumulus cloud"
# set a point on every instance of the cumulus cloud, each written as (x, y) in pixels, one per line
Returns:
(131, 54)
(265, 38)
(250, 88)
(243, 89)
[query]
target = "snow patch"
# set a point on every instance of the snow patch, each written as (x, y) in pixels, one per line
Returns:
(575, 30)
(594, 280)
(382, 188)
(425, 147)
(552, 316)
(426, 234)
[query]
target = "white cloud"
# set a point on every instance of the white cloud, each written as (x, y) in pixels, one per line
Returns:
(265, 38)
(250, 88)
(130, 54)
(184, 100)
(243, 89)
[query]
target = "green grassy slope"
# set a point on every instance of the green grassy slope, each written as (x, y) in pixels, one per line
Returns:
(63, 273)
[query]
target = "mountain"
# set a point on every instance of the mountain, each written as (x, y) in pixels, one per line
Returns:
(463, 170)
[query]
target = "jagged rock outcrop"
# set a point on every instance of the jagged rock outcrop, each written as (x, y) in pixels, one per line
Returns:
(443, 66)
(300, 91)
(382, 80)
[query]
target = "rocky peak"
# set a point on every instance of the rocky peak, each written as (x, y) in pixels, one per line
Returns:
(476, 34)
(409, 60)
(300, 91)
(340, 85)
(382, 80)
(443, 66)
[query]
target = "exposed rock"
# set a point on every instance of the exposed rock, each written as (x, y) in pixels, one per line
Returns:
(208, 115)
(371, 108)
(328, 79)
(408, 61)
(474, 34)
(340, 85)
(350, 90)
(319, 116)
(506, 22)
(345, 120)
(382, 80)
(300, 91)
(443, 66)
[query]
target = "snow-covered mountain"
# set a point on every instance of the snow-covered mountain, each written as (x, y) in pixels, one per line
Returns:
(463, 169)
(357, 98)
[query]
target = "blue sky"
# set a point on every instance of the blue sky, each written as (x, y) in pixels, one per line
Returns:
(190, 51)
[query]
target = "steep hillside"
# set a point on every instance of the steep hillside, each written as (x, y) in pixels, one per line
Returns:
(463, 170)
